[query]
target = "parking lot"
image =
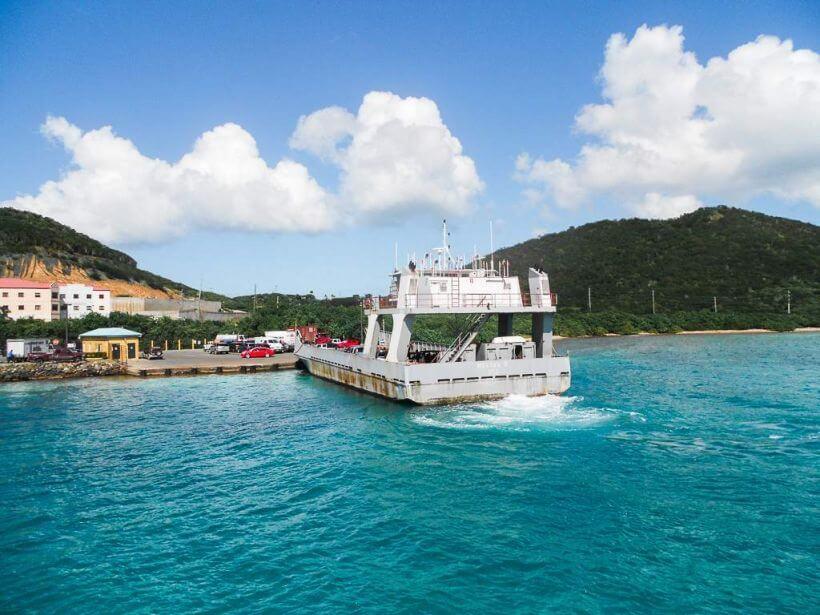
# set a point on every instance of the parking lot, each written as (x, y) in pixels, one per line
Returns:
(186, 359)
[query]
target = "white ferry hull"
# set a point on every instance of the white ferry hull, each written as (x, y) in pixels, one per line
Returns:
(438, 383)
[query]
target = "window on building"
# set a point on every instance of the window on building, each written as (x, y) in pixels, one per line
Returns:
(55, 307)
(19, 294)
(76, 296)
(37, 307)
(37, 295)
(53, 295)
(62, 296)
(88, 308)
(21, 308)
(102, 308)
(5, 294)
(88, 296)
(76, 307)
(102, 296)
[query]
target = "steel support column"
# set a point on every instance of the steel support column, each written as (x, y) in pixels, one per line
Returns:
(542, 334)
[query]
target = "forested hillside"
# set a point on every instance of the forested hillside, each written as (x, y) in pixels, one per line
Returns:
(36, 247)
(748, 261)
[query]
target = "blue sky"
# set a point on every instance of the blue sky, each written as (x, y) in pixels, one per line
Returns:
(507, 78)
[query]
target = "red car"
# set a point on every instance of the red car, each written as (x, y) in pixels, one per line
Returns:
(257, 352)
(322, 339)
(349, 343)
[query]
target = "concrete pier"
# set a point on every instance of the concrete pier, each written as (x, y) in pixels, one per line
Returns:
(199, 362)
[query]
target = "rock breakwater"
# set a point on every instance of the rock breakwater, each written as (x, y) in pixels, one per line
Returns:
(10, 372)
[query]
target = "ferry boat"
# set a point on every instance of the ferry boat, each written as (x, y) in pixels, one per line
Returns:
(391, 364)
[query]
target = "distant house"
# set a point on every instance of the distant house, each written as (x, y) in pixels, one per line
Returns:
(29, 299)
(78, 300)
(115, 343)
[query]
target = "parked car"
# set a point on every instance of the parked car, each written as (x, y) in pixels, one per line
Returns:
(207, 346)
(152, 353)
(257, 352)
(322, 340)
(57, 353)
(349, 343)
(218, 348)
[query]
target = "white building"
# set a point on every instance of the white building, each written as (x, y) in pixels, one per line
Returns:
(190, 309)
(29, 299)
(78, 300)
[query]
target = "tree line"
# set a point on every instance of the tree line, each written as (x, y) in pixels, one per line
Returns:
(347, 321)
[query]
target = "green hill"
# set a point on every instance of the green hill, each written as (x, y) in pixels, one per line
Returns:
(35, 246)
(747, 260)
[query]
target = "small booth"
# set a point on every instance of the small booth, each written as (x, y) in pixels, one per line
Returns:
(115, 343)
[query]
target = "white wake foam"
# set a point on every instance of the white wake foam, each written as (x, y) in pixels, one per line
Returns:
(518, 412)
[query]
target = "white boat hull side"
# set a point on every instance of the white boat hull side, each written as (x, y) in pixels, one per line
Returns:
(439, 383)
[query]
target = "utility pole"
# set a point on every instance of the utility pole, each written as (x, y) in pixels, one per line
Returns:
(492, 248)
(714, 304)
(589, 298)
(653, 300)
(788, 302)
(254, 297)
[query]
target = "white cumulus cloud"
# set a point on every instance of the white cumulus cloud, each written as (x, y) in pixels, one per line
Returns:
(394, 153)
(656, 205)
(672, 130)
(115, 193)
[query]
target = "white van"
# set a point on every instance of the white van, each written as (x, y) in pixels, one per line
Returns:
(288, 338)
(270, 342)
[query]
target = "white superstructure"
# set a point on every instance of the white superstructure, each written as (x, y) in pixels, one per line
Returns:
(461, 370)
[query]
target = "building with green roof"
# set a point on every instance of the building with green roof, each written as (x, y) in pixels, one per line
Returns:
(114, 343)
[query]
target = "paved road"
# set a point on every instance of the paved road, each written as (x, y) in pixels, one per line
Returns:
(200, 358)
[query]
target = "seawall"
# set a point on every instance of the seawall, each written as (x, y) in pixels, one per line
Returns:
(48, 370)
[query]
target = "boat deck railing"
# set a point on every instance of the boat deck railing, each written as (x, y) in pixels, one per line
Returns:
(463, 300)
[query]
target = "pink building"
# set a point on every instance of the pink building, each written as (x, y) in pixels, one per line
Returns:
(29, 299)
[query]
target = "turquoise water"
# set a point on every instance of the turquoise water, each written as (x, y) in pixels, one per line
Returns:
(680, 473)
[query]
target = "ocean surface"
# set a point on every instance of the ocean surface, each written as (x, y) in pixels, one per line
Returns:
(678, 474)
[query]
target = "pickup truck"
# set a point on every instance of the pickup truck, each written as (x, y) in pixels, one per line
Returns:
(152, 353)
(57, 353)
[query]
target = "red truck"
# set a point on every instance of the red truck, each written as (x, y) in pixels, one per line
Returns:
(55, 353)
